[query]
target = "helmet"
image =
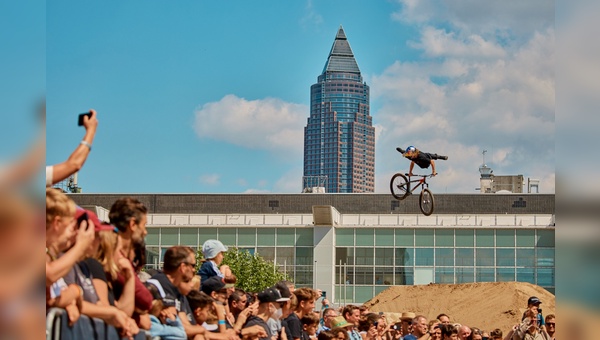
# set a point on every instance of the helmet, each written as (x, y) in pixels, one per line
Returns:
(410, 149)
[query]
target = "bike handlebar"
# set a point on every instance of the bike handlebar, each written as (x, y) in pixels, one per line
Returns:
(416, 175)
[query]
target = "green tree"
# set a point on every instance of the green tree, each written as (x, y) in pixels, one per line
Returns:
(253, 272)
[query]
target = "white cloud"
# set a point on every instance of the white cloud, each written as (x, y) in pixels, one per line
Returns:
(440, 43)
(507, 19)
(210, 179)
(268, 124)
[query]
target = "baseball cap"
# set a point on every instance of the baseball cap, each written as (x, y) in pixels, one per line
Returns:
(214, 284)
(91, 216)
(271, 294)
(211, 248)
(533, 301)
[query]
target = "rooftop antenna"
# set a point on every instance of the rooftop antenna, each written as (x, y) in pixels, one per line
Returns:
(483, 153)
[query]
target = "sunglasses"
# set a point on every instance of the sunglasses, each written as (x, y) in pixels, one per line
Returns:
(551, 324)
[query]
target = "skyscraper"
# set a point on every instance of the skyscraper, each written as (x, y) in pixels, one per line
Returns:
(339, 138)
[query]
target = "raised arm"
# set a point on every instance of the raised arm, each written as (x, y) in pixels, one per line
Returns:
(78, 157)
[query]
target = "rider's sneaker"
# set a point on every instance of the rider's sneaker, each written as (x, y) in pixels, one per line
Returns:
(444, 158)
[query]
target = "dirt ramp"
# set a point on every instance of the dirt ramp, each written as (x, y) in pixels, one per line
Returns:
(487, 305)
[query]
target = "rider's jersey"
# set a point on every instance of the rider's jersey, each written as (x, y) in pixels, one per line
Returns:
(423, 159)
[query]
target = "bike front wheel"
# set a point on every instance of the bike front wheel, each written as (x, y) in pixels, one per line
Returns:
(399, 186)
(426, 202)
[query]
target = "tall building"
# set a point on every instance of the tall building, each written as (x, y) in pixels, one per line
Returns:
(339, 138)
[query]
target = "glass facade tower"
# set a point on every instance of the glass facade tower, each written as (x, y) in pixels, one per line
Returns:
(339, 138)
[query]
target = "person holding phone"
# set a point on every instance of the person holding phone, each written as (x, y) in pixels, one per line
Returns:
(58, 172)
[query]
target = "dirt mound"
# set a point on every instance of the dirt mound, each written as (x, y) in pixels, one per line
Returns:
(486, 305)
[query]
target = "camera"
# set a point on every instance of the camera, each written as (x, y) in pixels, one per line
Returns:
(80, 118)
(396, 327)
(83, 217)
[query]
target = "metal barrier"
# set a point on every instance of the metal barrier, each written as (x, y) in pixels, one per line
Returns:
(57, 328)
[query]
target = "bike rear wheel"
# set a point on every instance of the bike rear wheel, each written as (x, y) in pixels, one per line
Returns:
(426, 202)
(399, 186)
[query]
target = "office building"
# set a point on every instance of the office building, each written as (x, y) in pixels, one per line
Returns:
(339, 138)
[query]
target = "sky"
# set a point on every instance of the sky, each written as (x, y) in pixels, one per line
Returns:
(212, 97)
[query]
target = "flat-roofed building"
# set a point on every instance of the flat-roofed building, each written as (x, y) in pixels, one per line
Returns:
(354, 246)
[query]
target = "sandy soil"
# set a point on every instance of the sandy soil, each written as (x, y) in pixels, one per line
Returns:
(486, 305)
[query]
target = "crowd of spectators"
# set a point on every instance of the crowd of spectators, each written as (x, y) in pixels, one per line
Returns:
(94, 268)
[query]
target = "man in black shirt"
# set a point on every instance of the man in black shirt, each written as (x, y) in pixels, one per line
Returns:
(179, 265)
(422, 159)
(269, 302)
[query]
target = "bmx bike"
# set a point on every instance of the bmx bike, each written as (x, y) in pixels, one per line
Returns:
(401, 186)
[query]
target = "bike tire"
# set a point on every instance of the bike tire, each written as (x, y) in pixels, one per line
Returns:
(399, 186)
(426, 202)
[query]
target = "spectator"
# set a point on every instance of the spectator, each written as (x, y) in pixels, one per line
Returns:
(419, 328)
(496, 334)
(275, 321)
(269, 301)
(449, 332)
(464, 332)
(435, 332)
(406, 322)
(368, 326)
(216, 288)
(287, 309)
(237, 302)
(239, 309)
(213, 254)
(341, 333)
(306, 303)
(364, 310)
(444, 319)
(328, 315)
(196, 282)
(166, 324)
(201, 304)
(476, 334)
(310, 323)
(352, 315)
(533, 303)
(382, 327)
(129, 216)
(58, 172)
(105, 269)
(327, 335)
(178, 265)
(550, 328)
(81, 275)
(528, 329)
(61, 226)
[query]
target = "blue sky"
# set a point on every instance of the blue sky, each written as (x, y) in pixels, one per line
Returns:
(212, 97)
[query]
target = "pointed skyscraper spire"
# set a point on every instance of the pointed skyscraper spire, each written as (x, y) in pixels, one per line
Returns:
(341, 58)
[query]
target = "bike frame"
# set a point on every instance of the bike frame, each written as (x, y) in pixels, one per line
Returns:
(421, 182)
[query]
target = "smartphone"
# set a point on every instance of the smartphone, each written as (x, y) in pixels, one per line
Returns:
(324, 294)
(83, 217)
(80, 118)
